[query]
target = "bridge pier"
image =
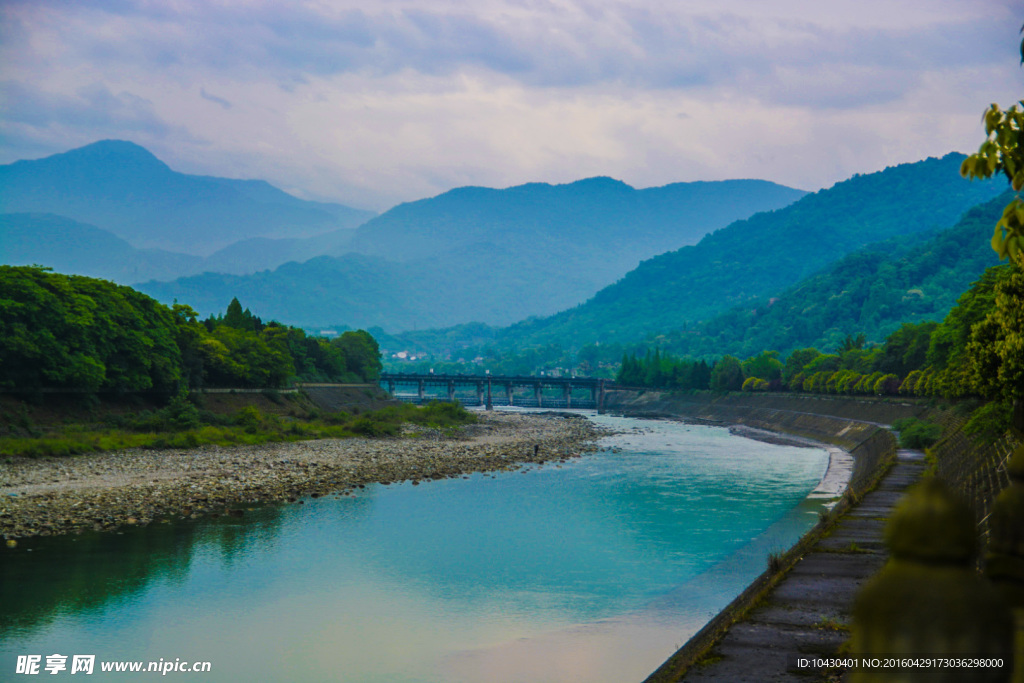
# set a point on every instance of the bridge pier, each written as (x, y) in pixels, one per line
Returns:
(508, 392)
(451, 391)
(490, 405)
(419, 390)
(537, 394)
(567, 393)
(479, 393)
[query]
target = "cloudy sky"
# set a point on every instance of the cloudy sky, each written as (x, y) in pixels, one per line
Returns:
(379, 101)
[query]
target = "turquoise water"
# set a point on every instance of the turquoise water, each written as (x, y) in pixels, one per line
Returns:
(593, 570)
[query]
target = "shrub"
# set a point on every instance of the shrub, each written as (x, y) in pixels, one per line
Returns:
(916, 433)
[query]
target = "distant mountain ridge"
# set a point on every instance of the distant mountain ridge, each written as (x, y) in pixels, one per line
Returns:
(753, 259)
(639, 223)
(121, 187)
(68, 246)
(479, 254)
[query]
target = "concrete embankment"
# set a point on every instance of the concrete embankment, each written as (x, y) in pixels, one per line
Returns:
(801, 603)
(828, 421)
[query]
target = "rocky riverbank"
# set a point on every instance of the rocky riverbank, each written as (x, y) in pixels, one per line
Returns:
(49, 496)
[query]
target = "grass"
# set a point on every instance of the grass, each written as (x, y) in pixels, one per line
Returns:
(832, 625)
(851, 549)
(182, 425)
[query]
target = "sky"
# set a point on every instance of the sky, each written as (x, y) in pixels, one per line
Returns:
(374, 102)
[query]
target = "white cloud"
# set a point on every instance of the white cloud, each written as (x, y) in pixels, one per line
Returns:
(372, 103)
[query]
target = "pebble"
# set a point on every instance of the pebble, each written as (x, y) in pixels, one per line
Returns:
(136, 487)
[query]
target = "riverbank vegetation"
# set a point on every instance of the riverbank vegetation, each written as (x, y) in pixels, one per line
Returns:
(186, 423)
(975, 352)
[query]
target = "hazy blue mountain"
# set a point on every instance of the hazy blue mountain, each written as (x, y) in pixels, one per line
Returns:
(68, 246)
(496, 256)
(121, 187)
(753, 259)
(264, 253)
(630, 224)
(365, 289)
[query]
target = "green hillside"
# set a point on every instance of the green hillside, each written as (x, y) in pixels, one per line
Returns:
(754, 259)
(871, 291)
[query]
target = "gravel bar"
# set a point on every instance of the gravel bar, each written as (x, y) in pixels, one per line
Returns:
(104, 491)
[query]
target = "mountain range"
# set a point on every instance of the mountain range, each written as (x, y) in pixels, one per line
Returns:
(478, 254)
(122, 188)
(753, 260)
(113, 210)
(522, 257)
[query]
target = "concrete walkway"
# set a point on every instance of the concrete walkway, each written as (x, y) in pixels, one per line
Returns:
(808, 612)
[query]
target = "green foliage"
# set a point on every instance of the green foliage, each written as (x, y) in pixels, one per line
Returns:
(727, 375)
(1002, 152)
(995, 352)
(78, 333)
(361, 354)
(181, 425)
(75, 332)
(990, 421)
(917, 434)
(765, 366)
(906, 349)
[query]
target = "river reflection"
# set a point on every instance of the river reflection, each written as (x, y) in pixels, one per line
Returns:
(593, 570)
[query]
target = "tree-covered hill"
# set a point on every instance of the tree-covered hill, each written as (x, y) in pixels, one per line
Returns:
(871, 292)
(754, 259)
(84, 334)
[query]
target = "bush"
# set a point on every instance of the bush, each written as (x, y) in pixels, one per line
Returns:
(917, 434)
(990, 421)
(369, 427)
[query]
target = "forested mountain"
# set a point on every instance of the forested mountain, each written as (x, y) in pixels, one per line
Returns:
(121, 187)
(872, 291)
(476, 254)
(754, 259)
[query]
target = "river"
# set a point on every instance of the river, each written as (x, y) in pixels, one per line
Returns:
(592, 570)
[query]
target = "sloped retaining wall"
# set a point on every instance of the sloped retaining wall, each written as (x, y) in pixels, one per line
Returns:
(872, 447)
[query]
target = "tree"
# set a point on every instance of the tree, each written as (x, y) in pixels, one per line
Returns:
(1003, 152)
(727, 375)
(766, 365)
(996, 350)
(995, 353)
(362, 354)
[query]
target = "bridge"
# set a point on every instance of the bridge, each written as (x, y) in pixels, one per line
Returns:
(490, 390)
